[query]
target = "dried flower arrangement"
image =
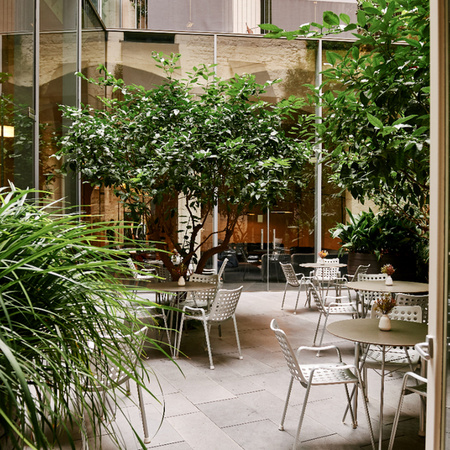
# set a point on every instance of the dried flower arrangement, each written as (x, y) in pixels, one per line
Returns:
(388, 269)
(385, 303)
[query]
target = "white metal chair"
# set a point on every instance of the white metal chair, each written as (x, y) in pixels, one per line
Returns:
(309, 375)
(361, 269)
(342, 283)
(411, 300)
(328, 276)
(328, 309)
(147, 310)
(366, 298)
(293, 279)
(222, 308)
(419, 387)
(202, 299)
(143, 274)
(120, 365)
(395, 358)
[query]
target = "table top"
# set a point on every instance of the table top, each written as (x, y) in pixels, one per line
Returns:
(321, 265)
(406, 287)
(190, 286)
(367, 331)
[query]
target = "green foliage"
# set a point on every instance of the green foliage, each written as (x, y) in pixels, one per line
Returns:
(208, 140)
(58, 301)
(377, 105)
(379, 234)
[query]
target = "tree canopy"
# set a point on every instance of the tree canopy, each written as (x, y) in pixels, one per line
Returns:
(204, 140)
(376, 104)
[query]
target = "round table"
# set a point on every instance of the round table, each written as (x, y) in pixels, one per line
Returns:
(321, 265)
(366, 331)
(405, 287)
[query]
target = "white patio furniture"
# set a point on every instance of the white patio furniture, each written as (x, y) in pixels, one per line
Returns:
(308, 375)
(296, 280)
(328, 306)
(119, 370)
(222, 309)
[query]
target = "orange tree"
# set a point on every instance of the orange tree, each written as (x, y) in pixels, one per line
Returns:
(203, 140)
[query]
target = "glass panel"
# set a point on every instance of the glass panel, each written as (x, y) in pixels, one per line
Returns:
(16, 93)
(57, 85)
(220, 16)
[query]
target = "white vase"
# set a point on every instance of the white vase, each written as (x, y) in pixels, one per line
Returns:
(181, 281)
(385, 323)
(389, 281)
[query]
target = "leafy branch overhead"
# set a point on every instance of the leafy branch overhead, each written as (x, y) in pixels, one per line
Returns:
(377, 104)
(204, 139)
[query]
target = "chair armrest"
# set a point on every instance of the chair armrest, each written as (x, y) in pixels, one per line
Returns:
(319, 349)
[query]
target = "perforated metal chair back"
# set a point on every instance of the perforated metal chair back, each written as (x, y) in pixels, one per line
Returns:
(123, 359)
(411, 300)
(406, 313)
(314, 289)
(204, 297)
(360, 270)
(289, 273)
(163, 273)
(222, 268)
(368, 297)
(288, 353)
(129, 350)
(224, 305)
(328, 273)
(371, 276)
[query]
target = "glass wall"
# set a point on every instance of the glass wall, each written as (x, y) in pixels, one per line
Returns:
(38, 75)
(289, 226)
(220, 16)
(16, 93)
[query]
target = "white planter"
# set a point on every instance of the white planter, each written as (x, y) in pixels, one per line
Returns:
(385, 323)
(181, 281)
(389, 281)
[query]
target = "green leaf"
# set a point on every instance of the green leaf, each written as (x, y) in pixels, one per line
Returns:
(361, 16)
(330, 18)
(375, 121)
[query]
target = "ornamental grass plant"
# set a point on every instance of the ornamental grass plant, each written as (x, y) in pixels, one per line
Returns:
(60, 297)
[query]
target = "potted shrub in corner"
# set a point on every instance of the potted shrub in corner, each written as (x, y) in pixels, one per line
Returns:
(359, 237)
(380, 239)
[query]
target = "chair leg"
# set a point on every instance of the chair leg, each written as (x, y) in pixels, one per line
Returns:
(397, 413)
(284, 296)
(302, 415)
(177, 348)
(143, 414)
(317, 328)
(323, 329)
(281, 427)
(298, 297)
(237, 337)
(208, 344)
(366, 409)
(167, 328)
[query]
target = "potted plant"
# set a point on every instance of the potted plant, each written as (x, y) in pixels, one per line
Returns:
(379, 239)
(359, 237)
(58, 301)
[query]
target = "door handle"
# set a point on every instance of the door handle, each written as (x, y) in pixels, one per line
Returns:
(425, 349)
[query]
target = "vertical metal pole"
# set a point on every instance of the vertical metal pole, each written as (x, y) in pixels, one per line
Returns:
(216, 206)
(36, 149)
(268, 250)
(318, 155)
(78, 90)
